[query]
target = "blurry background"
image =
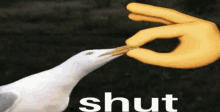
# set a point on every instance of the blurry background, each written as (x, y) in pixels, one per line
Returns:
(36, 35)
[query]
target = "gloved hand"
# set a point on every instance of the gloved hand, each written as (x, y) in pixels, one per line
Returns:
(199, 39)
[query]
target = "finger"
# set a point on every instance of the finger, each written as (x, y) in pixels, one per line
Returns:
(137, 17)
(160, 12)
(166, 59)
(149, 57)
(147, 35)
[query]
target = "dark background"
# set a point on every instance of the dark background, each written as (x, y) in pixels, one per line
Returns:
(36, 35)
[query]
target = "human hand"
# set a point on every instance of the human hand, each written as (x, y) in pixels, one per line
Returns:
(199, 39)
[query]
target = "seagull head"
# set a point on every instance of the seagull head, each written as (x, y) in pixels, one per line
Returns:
(90, 60)
(87, 61)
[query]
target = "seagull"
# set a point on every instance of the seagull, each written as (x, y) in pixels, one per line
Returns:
(49, 91)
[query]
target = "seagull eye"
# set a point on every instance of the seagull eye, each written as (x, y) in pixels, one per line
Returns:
(89, 53)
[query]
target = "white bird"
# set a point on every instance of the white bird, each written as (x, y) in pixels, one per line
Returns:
(49, 91)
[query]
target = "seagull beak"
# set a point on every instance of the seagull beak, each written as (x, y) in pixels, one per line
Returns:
(120, 50)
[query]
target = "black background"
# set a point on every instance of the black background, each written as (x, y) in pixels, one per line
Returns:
(36, 35)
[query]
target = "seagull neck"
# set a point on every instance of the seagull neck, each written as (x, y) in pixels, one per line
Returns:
(71, 69)
(67, 75)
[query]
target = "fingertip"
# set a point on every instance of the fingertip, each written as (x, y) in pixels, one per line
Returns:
(134, 17)
(130, 5)
(130, 53)
(130, 16)
(131, 43)
(127, 42)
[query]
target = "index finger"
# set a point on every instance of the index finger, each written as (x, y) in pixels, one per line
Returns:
(160, 12)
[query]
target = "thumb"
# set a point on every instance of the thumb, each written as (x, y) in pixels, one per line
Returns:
(151, 57)
(172, 60)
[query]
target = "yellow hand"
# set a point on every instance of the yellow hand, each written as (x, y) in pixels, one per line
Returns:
(199, 39)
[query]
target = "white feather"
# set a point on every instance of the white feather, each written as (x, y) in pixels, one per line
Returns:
(49, 91)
